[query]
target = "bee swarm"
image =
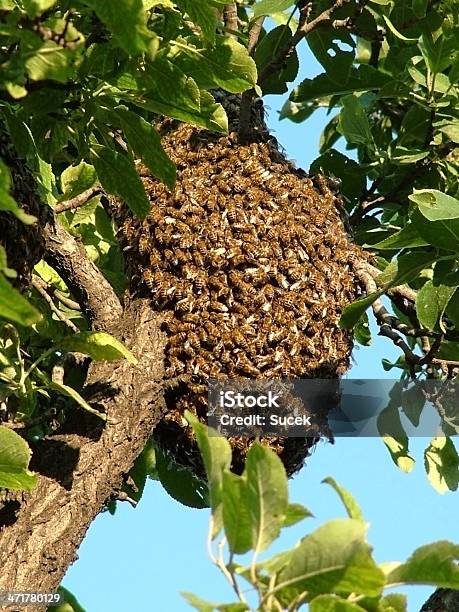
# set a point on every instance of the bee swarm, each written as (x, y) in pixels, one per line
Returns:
(250, 265)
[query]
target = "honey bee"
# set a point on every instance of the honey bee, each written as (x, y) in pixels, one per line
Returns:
(246, 367)
(149, 278)
(185, 305)
(178, 339)
(155, 215)
(288, 300)
(155, 262)
(217, 306)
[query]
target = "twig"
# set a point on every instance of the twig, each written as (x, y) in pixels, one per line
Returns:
(123, 496)
(39, 285)
(304, 28)
(391, 327)
(78, 201)
(63, 299)
(254, 34)
(230, 19)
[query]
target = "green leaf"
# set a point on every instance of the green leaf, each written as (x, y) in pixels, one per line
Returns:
(127, 20)
(216, 455)
(334, 163)
(14, 462)
(408, 236)
(405, 268)
(226, 65)
(209, 115)
(70, 392)
(393, 602)
(349, 501)
(236, 513)
(5, 177)
(442, 464)
(9, 204)
(431, 302)
(144, 466)
(332, 603)
(295, 513)
(50, 61)
(395, 32)
(435, 205)
(335, 558)
(99, 346)
(353, 122)
(452, 308)
(443, 233)
(181, 484)
(198, 603)
(270, 7)
(203, 15)
(146, 143)
(352, 313)
(362, 332)
(398, 449)
(275, 81)
(70, 600)
(434, 564)
(336, 60)
(363, 78)
(76, 179)
(267, 494)
(8, 272)
(37, 7)
(118, 175)
(14, 307)
(419, 7)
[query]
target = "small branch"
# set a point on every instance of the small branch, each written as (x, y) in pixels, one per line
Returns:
(391, 327)
(230, 18)
(123, 496)
(92, 290)
(305, 27)
(63, 299)
(78, 201)
(39, 285)
(254, 34)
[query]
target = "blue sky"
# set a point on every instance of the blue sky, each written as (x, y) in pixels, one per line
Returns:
(141, 558)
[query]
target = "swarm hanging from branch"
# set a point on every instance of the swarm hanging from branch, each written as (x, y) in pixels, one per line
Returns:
(250, 265)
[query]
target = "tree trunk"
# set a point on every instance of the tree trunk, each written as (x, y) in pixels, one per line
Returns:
(80, 469)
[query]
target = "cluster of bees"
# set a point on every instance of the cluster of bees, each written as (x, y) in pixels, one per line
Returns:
(24, 244)
(248, 262)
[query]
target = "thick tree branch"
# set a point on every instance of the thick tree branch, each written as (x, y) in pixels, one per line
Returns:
(68, 257)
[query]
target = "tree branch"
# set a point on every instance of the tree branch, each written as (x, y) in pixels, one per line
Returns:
(67, 255)
(230, 18)
(39, 285)
(304, 28)
(78, 201)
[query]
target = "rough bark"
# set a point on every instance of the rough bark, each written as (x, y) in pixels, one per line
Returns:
(442, 600)
(83, 463)
(68, 257)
